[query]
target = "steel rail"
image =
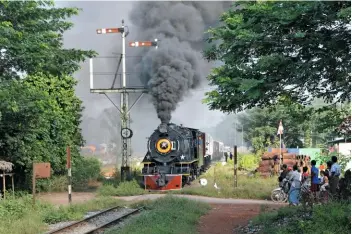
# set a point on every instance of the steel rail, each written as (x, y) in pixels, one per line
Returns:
(86, 220)
(106, 225)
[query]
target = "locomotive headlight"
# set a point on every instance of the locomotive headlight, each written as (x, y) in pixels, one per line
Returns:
(163, 146)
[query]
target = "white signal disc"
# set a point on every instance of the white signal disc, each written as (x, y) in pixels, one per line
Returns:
(203, 182)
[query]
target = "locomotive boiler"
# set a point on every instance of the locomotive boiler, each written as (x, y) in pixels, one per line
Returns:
(176, 155)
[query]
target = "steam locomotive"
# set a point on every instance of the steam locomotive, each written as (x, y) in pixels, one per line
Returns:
(177, 155)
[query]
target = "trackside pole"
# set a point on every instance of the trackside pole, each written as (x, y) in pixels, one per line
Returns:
(69, 174)
(235, 164)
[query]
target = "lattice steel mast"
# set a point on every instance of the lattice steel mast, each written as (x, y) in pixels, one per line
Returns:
(126, 132)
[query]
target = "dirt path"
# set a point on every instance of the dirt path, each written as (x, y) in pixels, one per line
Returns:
(62, 198)
(211, 200)
(224, 218)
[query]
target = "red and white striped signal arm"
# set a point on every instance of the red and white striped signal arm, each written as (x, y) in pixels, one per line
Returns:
(144, 43)
(109, 30)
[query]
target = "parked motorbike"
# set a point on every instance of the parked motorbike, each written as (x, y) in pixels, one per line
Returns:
(280, 194)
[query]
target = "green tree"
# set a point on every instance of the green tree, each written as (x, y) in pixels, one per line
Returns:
(304, 126)
(275, 49)
(41, 114)
(31, 39)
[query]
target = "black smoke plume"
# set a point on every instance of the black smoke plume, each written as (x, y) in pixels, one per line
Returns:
(175, 68)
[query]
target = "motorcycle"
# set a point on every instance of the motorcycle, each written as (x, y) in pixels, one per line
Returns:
(280, 194)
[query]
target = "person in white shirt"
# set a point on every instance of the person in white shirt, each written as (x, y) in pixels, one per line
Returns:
(295, 179)
(335, 174)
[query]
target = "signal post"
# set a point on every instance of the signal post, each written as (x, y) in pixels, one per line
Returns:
(124, 109)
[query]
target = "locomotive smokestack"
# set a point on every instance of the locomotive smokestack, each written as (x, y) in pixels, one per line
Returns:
(163, 128)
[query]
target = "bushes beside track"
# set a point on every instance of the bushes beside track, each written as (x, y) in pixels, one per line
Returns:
(248, 186)
(18, 216)
(127, 188)
(329, 218)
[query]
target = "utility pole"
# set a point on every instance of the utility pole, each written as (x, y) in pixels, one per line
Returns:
(235, 165)
(235, 127)
(242, 145)
(124, 109)
(69, 174)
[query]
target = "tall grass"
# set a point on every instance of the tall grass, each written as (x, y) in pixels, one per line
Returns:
(18, 215)
(167, 215)
(248, 187)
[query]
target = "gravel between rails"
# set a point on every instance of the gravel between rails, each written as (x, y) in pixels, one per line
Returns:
(97, 221)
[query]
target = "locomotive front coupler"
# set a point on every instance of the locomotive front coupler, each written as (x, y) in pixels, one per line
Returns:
(161, 181)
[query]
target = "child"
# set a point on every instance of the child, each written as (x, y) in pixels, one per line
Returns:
(325, 182)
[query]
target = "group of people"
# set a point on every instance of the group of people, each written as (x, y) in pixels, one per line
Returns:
(292, 180)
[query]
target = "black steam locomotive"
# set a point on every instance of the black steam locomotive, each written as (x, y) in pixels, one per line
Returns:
(176, 156)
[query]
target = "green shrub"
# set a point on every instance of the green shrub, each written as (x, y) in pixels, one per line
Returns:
(107, 190)
(329, 218)
(127, 188)
(84, 170)
(53, 184)
(248, 162)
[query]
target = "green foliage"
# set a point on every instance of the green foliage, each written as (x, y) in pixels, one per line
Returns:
(171, 214)
(17, 214)
(31, 36)
(40, 118)
(331, 218)
(276, 49)
(247, 187)
(342, 160)
(83, 170)
(313, 124)
(248, 162)
(41, 114)
(126, 188)
(52, 184)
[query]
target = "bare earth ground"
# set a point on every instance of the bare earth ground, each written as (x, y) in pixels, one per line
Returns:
(224, 217)
(62, 198)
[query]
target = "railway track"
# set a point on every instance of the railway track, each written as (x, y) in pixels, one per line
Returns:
(97, 223)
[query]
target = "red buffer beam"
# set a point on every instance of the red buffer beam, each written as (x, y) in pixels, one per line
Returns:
(109, 30)
(144, 43)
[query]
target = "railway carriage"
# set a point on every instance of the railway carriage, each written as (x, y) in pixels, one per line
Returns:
(176, 156)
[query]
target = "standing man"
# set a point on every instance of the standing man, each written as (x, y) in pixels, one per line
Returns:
(295, 178)
(335, 174)
(226, 155)
(315, 178)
